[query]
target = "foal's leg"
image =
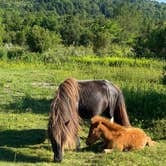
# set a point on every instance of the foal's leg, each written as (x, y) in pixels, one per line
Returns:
(108, 150)
(118, 146)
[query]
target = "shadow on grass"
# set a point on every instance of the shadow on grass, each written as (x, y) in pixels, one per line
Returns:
(29, 104)
(9, 155)
(10, 139)
(145, 106)
(96, 148)
(16, 138)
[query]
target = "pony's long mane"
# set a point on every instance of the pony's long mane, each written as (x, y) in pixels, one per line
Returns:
(106, 122)
(64, 119)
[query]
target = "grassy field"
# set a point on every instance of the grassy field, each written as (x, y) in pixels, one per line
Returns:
(26, 91)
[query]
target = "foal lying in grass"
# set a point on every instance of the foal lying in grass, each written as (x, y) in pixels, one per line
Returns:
(117, 136)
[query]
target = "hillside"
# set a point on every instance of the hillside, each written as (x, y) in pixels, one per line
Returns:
(114, 28)
(109, 8)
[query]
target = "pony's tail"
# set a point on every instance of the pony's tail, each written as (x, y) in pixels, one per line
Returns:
(120, 113)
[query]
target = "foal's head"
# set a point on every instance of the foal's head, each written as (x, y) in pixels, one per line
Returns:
(94, 133)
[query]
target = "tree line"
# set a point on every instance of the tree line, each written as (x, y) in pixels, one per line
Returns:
(110, 27)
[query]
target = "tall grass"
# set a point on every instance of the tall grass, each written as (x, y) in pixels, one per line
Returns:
(117, 61)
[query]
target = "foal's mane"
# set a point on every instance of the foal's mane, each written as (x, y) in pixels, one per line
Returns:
(64, 119)
(106, 122)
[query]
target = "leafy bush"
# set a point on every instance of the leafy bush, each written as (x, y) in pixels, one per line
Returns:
(164, 75)
(11, 52)
(54, 55)
(15, 53)
(158, 129)
(40, 39)
(121, 51)
(61, 53)
(3, 53)
(31, 57)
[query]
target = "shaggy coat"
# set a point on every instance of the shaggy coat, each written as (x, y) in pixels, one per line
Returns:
(116, 136)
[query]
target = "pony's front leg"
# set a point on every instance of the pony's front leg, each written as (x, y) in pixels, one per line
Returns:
(78, 144)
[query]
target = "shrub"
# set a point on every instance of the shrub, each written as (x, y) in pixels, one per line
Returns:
(158, 129)
(11, 52)
(62, 53)
(164, 75)
(15, 53)
(121, 51)
(40, 39)
(3, 53)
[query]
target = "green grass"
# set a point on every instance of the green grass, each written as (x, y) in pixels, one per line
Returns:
(26, 90)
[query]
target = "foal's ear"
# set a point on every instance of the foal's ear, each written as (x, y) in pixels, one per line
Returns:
(95, 119)
(100, 122)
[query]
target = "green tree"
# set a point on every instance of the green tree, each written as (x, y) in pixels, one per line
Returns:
(20, 38)
(157, 40)
(105, 33)
(71, 30)
(131, 22)
(40, 39)
(153, 42)
(2, 32)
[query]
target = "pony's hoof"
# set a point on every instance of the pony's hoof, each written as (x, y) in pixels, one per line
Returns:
(57, 159)
(78, 149)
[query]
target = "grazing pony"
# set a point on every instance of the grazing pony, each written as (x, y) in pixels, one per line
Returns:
(82, 99)
(117, 136)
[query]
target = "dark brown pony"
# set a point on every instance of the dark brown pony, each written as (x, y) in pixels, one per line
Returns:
(85, 99)
(117, 136)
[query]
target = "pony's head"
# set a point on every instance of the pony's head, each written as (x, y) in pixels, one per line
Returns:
(56, 136)
(64, 120)
(94, 131)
